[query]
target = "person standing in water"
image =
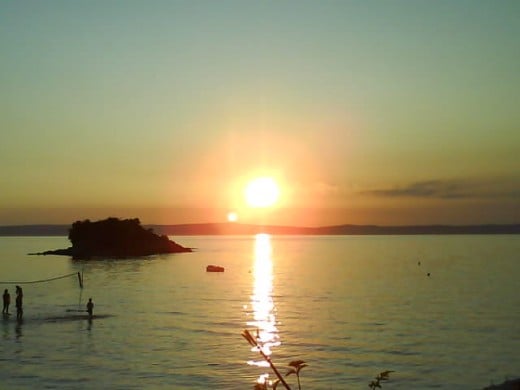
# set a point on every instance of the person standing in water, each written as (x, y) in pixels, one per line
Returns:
(7, 301)
(19, 303)
(90, 308)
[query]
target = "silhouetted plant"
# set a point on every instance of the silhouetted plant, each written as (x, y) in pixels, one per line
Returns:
(252, 341)
(296, 366)
(383, 376)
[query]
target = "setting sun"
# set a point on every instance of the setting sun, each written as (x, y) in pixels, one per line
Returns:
(262, 192)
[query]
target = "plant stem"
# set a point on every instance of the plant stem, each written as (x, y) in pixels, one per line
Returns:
(275, 370)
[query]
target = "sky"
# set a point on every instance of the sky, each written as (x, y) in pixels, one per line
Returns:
(364, 112)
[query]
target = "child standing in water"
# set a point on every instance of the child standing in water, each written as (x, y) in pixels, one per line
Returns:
(7, 301)
(90, 307)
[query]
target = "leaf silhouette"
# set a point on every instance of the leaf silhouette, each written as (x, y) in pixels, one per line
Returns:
(384, 375)
(297, 366)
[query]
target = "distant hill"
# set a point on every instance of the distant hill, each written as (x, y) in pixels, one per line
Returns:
(204, 229)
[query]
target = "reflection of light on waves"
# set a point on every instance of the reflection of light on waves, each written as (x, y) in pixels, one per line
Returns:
(262, 301)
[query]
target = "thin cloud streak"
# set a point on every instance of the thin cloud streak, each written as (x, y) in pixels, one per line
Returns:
(451, 189)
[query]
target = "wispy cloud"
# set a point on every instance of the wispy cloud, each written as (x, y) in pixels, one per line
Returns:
(452, 189)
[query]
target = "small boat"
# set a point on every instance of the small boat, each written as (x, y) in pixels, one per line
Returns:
(214, 268)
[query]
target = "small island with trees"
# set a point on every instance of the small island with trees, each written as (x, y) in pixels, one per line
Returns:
(115, 238)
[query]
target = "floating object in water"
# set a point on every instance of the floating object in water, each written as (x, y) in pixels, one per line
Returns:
(214, 268)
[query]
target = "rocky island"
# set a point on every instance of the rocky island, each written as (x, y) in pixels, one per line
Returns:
(115, 238)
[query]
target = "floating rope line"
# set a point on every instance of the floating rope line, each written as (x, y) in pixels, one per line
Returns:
(80, 278)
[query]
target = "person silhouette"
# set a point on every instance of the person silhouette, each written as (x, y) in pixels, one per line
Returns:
(7, 301)
(19, 303)
(90, 308)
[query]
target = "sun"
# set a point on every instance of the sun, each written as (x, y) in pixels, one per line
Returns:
(262, 192)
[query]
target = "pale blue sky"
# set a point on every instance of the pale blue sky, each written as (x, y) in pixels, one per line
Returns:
(384, 112)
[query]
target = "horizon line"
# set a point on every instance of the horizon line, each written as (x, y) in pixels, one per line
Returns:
(280, 225)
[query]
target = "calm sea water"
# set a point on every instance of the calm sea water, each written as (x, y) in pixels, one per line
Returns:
(350, 306)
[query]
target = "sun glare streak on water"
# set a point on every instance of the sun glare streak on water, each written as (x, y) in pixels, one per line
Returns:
(263, 307)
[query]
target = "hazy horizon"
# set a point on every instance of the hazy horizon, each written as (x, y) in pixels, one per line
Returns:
(364, 112)
(184, 217)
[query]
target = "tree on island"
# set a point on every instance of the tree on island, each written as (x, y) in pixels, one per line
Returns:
(115, 238)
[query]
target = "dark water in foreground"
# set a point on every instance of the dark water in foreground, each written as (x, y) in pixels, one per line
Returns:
(350, 306)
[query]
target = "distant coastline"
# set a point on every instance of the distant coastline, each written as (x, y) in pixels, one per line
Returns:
(211, 229)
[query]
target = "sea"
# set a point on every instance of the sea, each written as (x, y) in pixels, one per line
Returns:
(438, 311)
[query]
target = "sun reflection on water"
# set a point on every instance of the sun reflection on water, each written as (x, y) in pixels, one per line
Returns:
(263, 321)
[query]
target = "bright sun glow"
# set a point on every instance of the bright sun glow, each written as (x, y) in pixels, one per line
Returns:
(232, 216)
(262, 192)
